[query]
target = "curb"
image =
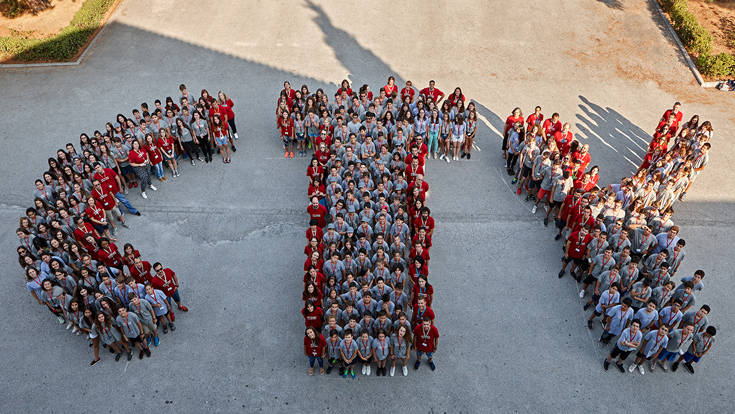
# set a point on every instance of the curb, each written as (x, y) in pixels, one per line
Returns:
(683, 51)
(81, 57)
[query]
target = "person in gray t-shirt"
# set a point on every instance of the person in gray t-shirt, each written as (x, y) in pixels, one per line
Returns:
(130, 325)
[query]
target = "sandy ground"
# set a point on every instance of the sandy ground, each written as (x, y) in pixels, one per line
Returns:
(513, 335)
(45, 23)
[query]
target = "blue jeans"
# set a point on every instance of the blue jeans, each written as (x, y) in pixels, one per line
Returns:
(317, 359)
(124, 201)
(428, 354)
(159, 170)
(174, 298)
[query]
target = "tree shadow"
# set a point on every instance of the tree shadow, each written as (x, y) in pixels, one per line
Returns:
(613, 4)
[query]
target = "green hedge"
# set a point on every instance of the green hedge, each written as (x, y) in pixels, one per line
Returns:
(721, 65)
(62, 46)
(698, 40)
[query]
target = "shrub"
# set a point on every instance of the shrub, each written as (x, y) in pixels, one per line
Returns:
(720, 65)
(64, 45)
(690, 32)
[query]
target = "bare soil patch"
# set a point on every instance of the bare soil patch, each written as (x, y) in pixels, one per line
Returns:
(719, 19)
(43, 24)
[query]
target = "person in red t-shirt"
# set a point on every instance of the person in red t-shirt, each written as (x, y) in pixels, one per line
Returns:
(564, 139)
(141, 270)
(109, 254)
(109, 203)
(678, 116)
(422, 311)
(536, 118)
(391, 89)
(426, 341)
(138, 158)
(154, 155)
(166, 281)
(167, 143)
(317, 212)
(408, 91)
(575, 250)
(432, 93)
(455, 97)
(314, 348)
(515, 116)
(312, 315)
(112, 184)
(551, 126)
(583, 156)
(96, 215)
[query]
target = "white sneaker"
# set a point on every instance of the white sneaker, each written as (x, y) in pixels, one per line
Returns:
(441, 156)
(546, 208)
(652, 366)
(435, 155)
(533, 210)
(60, 319)
(235, 135)
(405, 371)
(446, 159)
(581, 294)
(143, 195)
(364, 369)
(69, 325)
(456, 158)
(153, 188)
(641, 370)
(367, 370)
(392, 371)
(631, 368)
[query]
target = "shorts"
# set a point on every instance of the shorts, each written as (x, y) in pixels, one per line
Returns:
(457, 139)
(443, 136)
(166, 157)
(619, 352)
(126, 170)
(690, 357)
(667, 356)
(134, 341)
(534, 183)
(576, 261)
(556, 204)
(543, 194)
(220, 140)
(99, 227)
(300, 137)
(643, 356)
(366, 361)
(597, 313)
(526, 172)
(286, 139)
(588, 280)
(428, 354)
(560, 224)
(148, 327)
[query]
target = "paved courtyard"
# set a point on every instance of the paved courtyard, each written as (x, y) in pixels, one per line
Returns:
(513, 337)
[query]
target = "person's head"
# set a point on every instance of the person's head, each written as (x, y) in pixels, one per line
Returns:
(635, 326)
(698, 276)
(626, 304)
(710, 331)
(687, 329)
(703, 311)
(651, 306)
(676, 305)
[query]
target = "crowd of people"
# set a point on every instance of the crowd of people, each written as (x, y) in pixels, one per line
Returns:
(619, 240)
(68, 250)
(366, 291)
(372, 125)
